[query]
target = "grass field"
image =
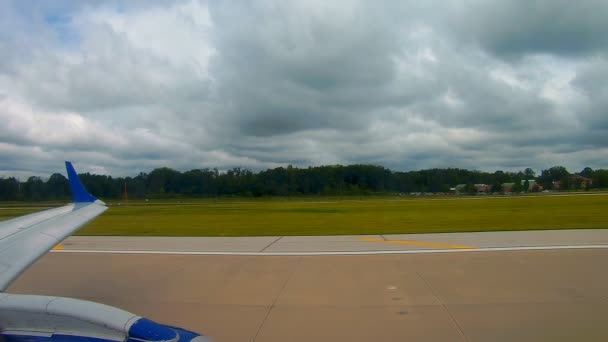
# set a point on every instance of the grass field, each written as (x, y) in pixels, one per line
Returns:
(326, 216)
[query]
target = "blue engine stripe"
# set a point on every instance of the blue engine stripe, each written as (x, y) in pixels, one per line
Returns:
(147, 330)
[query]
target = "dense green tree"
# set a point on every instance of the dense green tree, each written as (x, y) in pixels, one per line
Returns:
(554, 174)
(565, 183)
(57, 187)
(34, 189)
(517, 187)
(163, 181)
(587, 172)
(470, 189)
(600, 178)
(9, 189)
(558, 173)
(357, 179)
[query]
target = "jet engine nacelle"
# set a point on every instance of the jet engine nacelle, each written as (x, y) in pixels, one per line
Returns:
(29, 318)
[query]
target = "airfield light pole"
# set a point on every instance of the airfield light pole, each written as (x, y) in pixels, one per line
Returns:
(126, 195)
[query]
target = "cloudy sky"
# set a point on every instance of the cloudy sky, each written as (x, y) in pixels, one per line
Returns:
(122, 87)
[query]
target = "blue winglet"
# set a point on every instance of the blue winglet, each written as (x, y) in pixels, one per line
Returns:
(80, 194)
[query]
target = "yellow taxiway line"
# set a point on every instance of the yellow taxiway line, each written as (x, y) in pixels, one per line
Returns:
(418, 243)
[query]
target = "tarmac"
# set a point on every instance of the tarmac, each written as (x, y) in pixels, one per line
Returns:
(503, 286)
(342, 244)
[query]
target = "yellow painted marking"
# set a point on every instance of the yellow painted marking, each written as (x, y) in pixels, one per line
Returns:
(418, 243)
(59, 247)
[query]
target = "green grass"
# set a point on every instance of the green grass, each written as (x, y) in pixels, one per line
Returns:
(329, 216)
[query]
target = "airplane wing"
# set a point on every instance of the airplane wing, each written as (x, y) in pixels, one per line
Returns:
(25, 239)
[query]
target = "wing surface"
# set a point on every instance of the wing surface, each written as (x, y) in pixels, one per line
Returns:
(25, 239)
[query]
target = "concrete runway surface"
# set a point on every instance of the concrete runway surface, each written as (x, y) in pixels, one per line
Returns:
(530, 295)
(344, 244)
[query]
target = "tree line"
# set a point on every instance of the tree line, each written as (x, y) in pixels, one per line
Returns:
(290, 181)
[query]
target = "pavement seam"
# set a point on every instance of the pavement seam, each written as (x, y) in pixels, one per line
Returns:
(276, 299)
(272, 243)
(464, 336)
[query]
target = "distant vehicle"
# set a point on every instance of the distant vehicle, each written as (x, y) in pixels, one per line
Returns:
(29, 318)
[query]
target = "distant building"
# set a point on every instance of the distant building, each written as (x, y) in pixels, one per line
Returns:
(483, 188)
(532, 185)
(507, 187)
(531, 182)
(536, 187)
(580, 182)
(460, 188)
(573, 182)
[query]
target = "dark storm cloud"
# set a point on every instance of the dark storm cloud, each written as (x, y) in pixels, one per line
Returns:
(594, 114)
(292, 72)
(592, 81)
(514, 28)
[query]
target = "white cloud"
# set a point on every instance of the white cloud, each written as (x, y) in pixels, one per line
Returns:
(192, 84)
(40, 128)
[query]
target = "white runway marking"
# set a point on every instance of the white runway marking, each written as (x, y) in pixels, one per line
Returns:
(371, 252)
